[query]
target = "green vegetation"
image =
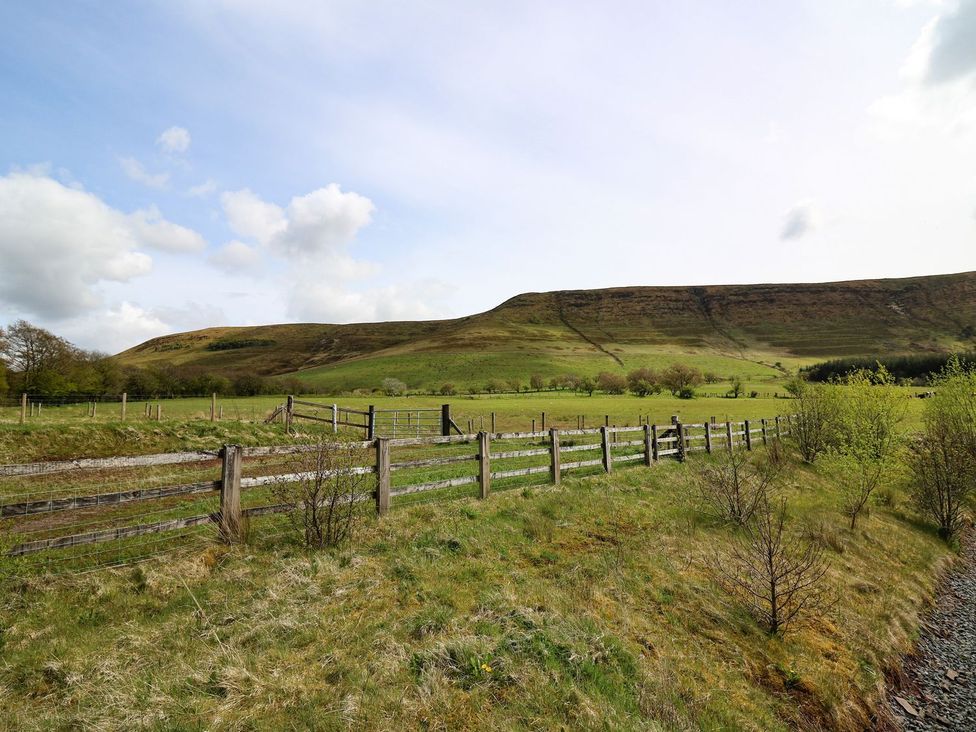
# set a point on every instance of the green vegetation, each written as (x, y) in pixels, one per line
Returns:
(917, 368)
(589, 606)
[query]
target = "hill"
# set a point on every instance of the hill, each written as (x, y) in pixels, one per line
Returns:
(753, 331)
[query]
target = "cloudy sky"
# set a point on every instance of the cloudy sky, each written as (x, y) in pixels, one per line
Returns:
(175, 165)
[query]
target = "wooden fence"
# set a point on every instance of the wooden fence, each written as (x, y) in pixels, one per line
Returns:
(393, 423)
(537, 458)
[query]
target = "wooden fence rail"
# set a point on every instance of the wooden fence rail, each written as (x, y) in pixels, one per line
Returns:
(655, 443)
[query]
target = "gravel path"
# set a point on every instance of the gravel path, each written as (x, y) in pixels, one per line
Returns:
(941, 689)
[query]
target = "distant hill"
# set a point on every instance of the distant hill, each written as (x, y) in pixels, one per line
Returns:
(751, 330)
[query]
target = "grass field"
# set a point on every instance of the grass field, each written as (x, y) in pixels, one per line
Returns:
(584, 607)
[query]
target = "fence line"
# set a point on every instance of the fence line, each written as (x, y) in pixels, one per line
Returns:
(675, 441)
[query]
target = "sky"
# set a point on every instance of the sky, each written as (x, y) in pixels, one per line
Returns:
(168, 166)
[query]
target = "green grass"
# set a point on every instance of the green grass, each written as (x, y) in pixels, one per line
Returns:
(582, 607)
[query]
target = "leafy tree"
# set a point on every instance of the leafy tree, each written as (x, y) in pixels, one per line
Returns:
(448, 390)
(869, 411)
(814, 419)
(678, 376)
(537, 382)
(736, 388)
(586, 384)
(515, 384)
(611, 383)
(644, 381)
(942, 461)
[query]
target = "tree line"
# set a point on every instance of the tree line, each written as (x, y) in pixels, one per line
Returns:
(37, 362)
(919, 369)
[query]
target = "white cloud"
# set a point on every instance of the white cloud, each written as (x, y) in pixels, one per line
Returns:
(315, 300)
(802, 219)
(950, 45)
(252, 218)
(134, 169)
(235, 257)
(156, 232)
(323, 221)
(174, 140)
(202, 190)
(59, 245)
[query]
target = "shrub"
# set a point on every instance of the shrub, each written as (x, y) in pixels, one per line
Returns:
(644, 381)
(448, 390)
(731, 487)
(814, 419)
(537, 382)
(686, 393)
(394, 387)
(611, 383)
(323, 504)
(736, 389)
(678, 377)
(585, 384)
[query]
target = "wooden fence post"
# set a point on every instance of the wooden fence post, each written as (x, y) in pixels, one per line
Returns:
(23, 408)
(533, 425)
(94, 407)
(493, 430)
(746, 428)
(605, 443)
(289, 410)
(371, 422)
(765, 439)
(606, 421)
(382, 476)
(728, 436)
(708, 438)
(648, 448)
(679, 430)
(555, 469)
(446, 420)
(777, 426)
(335, 418)
(543, 421)
(124, 398)
(230, 494)
(484, 463)
(654, 446)
(159, 411)
(213, 407)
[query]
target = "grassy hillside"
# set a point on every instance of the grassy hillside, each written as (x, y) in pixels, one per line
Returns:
(583, 607)
(753, 331)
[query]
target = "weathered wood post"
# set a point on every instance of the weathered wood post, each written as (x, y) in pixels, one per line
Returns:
(382, 476)
(94, 407)
(289, 410)
(679, 431)
(445, 420)
(708, 438)
(605, 444)
(777, 426)
(533, 425)
(124, 398)
(729, 443)
(493, 430)
(606, 421)
(335, 418)
(554, 467)
(543, 421)
(23, 408)
(648, 446)
(765, 439)
(159, 411)
(748, 430)
(213, 407)
(655, 448)
(231, 526)
(371, 422)
(484, 463)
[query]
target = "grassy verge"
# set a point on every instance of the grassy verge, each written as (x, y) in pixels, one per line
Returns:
(582, 607)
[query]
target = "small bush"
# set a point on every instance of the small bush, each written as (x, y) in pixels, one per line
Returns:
(686, 393)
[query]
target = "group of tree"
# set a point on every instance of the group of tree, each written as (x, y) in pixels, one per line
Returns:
(853, 425)
(679, 379)
(37, 362)
(919, 369)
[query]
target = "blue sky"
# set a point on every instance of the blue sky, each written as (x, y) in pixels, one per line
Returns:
(169, 166)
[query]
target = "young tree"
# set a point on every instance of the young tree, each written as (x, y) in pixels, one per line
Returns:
(942, 460)
(776, 575)
(869, 412)
(448, 390)
(731, 487)
(678, 377)
(585, 384)
(537, 382)
(394, 387)
(736, 388)
(515, 384)
(814, 419)
(644, 381)
(324, 492)
(611, 383)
